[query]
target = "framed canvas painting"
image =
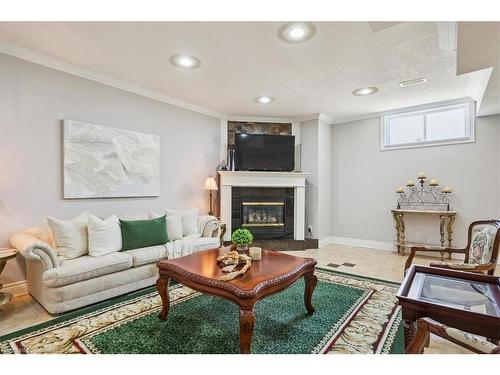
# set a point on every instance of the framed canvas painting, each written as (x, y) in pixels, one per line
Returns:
(104, 162)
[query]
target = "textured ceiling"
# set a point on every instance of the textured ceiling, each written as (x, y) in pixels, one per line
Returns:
(242, 60)
(478, 47)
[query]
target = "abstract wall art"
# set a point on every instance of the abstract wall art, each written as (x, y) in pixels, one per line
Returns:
(104, 162)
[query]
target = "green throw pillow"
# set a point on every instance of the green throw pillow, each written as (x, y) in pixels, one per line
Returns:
(143, 233)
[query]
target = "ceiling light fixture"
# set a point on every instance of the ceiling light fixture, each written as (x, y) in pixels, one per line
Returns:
(296, 32)
(185, 61)
(264, 99)
(365, 91)
(411, 82)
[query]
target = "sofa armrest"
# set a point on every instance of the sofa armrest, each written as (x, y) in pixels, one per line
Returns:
(208, 226)
(35, 249)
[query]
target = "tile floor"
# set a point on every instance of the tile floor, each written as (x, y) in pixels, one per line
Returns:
(23, 311)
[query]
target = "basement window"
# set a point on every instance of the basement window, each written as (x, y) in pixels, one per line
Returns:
(430, 125)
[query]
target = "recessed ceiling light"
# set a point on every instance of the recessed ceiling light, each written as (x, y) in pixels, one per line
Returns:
(411, 82)
(264, 99)
(296, 32)
(185, 61)
(365, 91)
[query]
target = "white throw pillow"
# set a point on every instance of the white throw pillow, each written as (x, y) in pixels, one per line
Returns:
(70, 236)
(189, 220)
(134, 217)
(105, 236)
(173, 223)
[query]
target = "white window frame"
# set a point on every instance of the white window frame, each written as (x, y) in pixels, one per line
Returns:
(470, 123)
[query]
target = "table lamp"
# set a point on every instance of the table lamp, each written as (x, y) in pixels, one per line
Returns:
(210, 185)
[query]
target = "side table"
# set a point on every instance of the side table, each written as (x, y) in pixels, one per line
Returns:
(446, 219)
(223, 229)
(5, 255)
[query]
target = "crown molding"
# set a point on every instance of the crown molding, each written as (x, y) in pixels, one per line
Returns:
(326, 118)
(366, 116)
(312, 116)
(260, 119)
(315, 116)
(79, 71)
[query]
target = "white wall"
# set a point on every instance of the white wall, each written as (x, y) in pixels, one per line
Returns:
(325, 179)
(365, 180)
(316, 145)
(309, 163)
(33, 102)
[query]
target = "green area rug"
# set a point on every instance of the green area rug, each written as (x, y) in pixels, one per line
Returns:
(353, 315)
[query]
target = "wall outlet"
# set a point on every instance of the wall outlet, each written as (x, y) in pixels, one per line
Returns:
(310, 230)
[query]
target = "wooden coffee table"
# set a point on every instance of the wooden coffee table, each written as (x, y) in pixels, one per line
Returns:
(274, 273)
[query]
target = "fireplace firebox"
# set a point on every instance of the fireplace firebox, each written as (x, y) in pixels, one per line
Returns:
(266, 212)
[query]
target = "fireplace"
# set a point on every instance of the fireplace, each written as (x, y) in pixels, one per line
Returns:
(262, 214)
(266, 212)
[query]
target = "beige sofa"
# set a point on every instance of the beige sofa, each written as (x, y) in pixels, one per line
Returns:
(63, 285)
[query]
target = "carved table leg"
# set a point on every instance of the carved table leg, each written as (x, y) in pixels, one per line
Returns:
(247, 321)
(402, 229)
(310, 280)
(449, 229)
(162, 288)
(4, 296)
(419, 341)
(396, 221)
(409, 331)
(223, 229)
(442, 219)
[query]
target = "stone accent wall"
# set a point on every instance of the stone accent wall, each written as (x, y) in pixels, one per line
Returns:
(236, 127)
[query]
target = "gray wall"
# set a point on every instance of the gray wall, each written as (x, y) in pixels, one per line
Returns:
(33, 102)
(365, 180)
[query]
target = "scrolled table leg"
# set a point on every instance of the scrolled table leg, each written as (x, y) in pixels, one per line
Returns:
(162, 288)
(310, 284)
(402, 236)
(247, 322)
(449, 229)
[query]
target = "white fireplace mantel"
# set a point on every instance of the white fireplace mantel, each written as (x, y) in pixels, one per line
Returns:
(295, 180)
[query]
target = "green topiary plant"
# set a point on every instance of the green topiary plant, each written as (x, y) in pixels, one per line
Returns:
(242, 237)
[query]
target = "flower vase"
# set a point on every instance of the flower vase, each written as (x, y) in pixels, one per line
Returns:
(242, 249)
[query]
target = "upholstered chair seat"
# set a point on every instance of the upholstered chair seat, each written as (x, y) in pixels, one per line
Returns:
(480, 253)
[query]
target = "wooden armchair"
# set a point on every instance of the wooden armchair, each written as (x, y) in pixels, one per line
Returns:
(425, 326)
(481, 251)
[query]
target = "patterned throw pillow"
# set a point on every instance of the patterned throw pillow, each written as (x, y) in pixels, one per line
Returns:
(482, 246)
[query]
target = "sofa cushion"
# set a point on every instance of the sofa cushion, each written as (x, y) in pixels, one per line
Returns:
(86, 267)
(191, 244)
(146, 255)
(174, 249)
(204, 243)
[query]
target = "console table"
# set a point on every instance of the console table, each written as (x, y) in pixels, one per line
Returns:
(5, 255)
(446, 219)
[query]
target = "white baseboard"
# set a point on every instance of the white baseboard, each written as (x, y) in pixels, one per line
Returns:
(17, 289)
(379, 245)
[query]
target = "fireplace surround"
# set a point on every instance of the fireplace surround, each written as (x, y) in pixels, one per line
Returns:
(295, 196)
(266, 212)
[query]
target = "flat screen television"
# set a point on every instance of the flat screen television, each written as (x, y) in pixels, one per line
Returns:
(262, 152)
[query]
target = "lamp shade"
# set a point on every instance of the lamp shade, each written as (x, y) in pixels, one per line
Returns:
(210, 184)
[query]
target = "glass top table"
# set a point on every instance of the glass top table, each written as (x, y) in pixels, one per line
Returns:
(457, 293)
(467, 301)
